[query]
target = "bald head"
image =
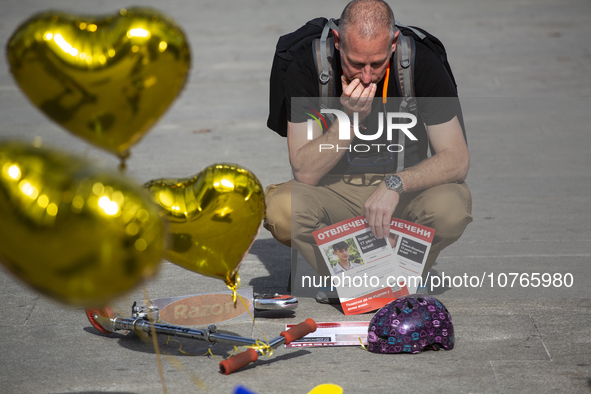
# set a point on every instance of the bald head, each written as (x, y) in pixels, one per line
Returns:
(367, 19)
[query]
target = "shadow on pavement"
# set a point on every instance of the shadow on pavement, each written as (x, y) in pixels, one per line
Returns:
(277, 260)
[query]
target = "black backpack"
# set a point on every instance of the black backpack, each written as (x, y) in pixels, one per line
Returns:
(316, 35)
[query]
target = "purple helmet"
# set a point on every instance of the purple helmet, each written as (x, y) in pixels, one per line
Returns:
(409, 325)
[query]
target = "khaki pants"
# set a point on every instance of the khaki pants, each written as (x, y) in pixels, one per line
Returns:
(295, 210)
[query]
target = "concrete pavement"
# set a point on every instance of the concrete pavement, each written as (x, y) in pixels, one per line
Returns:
(522, 68)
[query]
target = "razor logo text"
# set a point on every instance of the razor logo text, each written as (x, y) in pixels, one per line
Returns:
(182, 311)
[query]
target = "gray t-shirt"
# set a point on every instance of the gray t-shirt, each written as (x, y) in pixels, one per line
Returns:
(337, 269)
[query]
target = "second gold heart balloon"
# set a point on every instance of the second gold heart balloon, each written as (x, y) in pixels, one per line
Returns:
(74, 232)
(106, 79)
(213, 217)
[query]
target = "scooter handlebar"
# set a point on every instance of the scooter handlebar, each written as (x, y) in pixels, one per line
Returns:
(238, 361)
(299, 331)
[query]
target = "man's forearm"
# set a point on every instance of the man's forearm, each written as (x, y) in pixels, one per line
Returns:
(444, 167)
(449, 163)
(308, 162)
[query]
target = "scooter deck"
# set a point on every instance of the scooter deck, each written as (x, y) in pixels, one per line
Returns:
(210, 308)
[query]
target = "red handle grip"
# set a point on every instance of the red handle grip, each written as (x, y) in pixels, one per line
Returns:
(104, 312)
(299, 331)
(238, 361)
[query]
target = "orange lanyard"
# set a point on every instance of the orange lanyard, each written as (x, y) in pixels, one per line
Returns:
(386, 81)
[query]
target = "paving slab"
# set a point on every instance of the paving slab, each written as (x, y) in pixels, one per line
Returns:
(540, 377)
(566, 336)
(18, 301)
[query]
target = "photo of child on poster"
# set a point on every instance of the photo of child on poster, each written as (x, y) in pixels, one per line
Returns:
(344, 256)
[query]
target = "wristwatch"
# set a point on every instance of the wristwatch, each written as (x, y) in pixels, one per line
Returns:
(393, 182)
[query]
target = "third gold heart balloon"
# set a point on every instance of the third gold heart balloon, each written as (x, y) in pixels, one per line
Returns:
(106, 79)
(214, 217)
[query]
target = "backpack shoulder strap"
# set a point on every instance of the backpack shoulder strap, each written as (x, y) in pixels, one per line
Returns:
(323, 51)
(405, 66)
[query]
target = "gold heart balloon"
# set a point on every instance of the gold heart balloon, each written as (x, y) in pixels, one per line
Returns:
(105, 79)
(214, 217)
(74, 232)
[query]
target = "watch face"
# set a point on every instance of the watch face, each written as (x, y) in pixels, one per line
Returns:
(393, 182)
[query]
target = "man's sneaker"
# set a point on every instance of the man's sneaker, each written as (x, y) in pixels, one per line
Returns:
(327, 297)
(422, 290)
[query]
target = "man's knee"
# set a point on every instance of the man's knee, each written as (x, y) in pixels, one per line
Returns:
(447, 209)
(278, 213)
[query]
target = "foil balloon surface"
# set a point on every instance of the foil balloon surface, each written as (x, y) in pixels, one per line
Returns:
(106, 79)
(76, 233)
(214, 217)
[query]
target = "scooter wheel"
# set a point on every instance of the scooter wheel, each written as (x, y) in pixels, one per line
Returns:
(104, 312)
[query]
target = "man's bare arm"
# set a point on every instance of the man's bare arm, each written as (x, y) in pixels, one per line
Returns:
(450, 163)
(308, 163)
